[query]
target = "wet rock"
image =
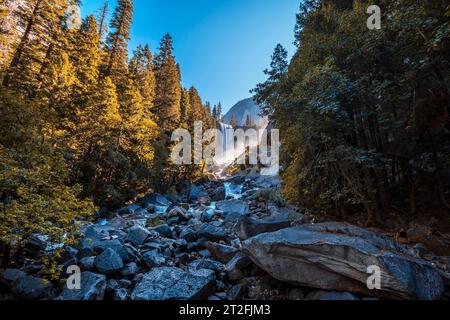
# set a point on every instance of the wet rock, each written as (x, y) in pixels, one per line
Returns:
(233, 210)
(164, 230)
(153, 259)
(109, 262)
(222, 252)
(336, 256)
(248, 227)
(93, 287)
(172, 284)
(137, 235)
(235, 268)
(211, 232)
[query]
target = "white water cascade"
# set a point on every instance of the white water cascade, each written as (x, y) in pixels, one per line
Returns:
(225, 148)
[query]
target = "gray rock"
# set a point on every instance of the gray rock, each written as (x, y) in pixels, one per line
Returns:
(164, 230)
(87, 264)
(211, 232)
(172, 284)
(155, 200)
(238, 292)
(10, 276)
(180, 213)
(233, 210)
(336, 256)
(121, 294)
(219, 194)
(137, 235)
(235, 268)
(32, 288)
(197, 192)
(36, 243)
(247, 227)
(131, 209)
(296, 295)
(116, 245)
(109, 262)
(93, 287)
(208, 215)
(339, 296)
(206, 264)
(188, 234)
(153, 259)
(130, 269)
(222, 252)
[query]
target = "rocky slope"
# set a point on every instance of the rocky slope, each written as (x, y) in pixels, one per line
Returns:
(225, 240)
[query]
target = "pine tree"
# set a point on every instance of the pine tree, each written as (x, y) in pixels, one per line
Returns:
(168, 87)
(219, 112)
(86, 59)
(185, 107)
(141, 71)
(101, 18)
(117, 42)
(196, 113)
(43, 34)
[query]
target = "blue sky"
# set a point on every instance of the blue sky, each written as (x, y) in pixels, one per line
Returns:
(223, 46)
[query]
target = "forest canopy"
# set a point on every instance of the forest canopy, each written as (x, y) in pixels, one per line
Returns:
(367, 110)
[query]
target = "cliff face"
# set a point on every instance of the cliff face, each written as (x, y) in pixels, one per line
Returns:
(12, 27)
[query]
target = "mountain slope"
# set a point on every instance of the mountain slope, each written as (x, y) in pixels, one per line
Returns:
(244, 108)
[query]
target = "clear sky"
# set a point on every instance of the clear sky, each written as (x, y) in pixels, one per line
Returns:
(223, 46)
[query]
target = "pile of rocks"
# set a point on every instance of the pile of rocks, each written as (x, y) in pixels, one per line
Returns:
(209, 244)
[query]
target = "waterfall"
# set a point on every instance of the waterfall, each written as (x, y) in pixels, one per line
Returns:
(226, 154)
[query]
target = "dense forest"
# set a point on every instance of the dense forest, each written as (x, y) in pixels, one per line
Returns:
(84, 125)
(367, 110)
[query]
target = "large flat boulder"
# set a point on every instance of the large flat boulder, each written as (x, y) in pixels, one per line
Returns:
(336, 257)
(248, 227)
(172, 284)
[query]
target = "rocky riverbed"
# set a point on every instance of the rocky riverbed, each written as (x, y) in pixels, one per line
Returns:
(230, 239)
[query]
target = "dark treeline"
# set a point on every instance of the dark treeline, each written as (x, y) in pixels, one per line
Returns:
(367, 110)
(82, 123)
